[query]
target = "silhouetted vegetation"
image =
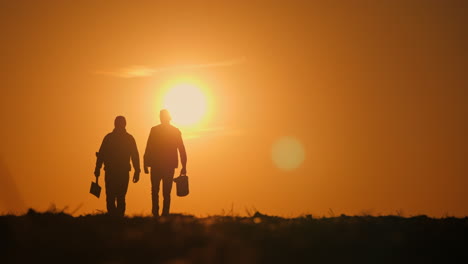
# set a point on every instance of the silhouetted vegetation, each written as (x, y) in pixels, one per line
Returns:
(99, 238)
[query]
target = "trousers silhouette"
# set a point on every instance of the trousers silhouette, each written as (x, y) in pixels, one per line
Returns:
(116, 190)
(166, 176)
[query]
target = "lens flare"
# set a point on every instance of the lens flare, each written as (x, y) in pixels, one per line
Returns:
(287, 153)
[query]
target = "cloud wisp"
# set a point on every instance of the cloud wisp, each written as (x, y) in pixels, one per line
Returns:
(137, 71)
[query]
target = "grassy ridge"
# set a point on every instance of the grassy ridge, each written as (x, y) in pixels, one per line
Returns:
(59, 237)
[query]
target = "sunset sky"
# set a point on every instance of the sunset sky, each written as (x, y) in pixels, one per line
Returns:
(309, 107)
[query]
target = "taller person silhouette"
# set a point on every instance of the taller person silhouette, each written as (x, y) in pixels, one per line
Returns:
(116, 151)
(161, 156)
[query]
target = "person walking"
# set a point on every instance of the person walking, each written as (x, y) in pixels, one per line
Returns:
(116, 151)
(164, 141)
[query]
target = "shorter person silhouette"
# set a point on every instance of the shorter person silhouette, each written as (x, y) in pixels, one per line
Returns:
(116, 151)
(161, 155)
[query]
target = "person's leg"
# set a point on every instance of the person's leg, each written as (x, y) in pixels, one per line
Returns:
(110, 192)
(121, 191)
(168, 177)
(155, 183)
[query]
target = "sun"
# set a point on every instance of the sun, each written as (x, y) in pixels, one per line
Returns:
(187, 104)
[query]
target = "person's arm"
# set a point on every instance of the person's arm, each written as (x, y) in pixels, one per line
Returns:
(182, 153)
(147, 154)
(100, 156)
(135, 156)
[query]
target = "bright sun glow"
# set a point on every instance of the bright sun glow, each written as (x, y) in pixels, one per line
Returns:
(186, 103)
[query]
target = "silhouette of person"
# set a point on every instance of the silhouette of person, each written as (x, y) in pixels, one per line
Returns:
(161, 155)
(116, 151)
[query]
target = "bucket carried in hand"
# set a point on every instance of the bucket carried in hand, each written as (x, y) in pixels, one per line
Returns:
(95, 189)
(182, 185)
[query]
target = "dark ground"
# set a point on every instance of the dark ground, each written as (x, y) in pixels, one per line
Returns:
(60, 238)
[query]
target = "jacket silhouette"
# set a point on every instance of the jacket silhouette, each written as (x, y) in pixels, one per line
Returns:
(161, 155)
(116, 151)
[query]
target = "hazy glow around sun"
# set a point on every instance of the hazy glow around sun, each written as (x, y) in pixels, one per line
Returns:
(186, 103)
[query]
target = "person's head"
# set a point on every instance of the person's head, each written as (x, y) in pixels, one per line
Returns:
(120, 122)
(164, 116)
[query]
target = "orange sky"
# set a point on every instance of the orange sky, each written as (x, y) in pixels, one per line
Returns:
(375, 93)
